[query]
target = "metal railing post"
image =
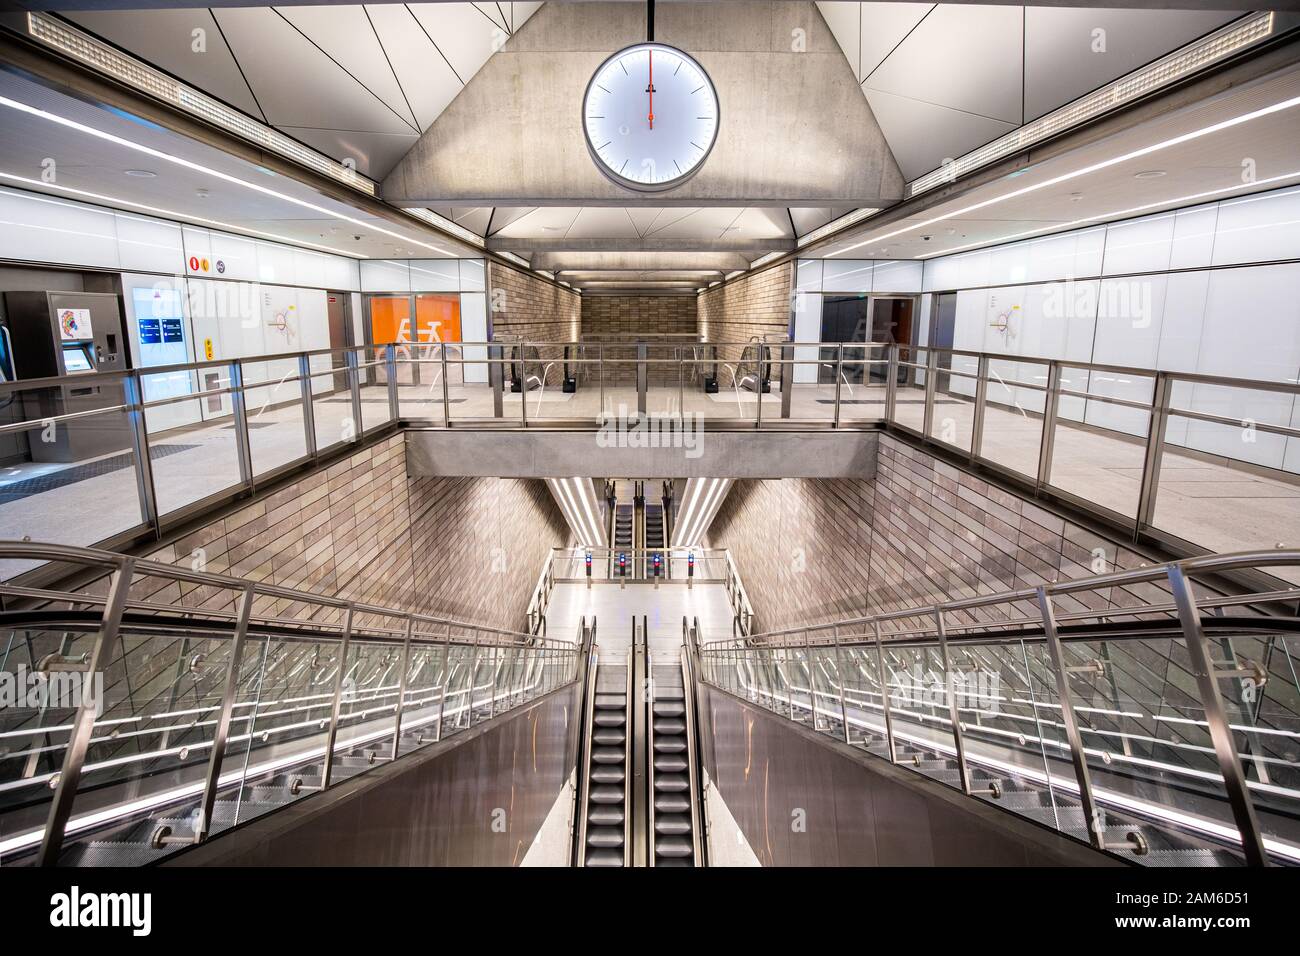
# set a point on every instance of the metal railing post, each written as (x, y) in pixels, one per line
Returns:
(239, 407)
(446, 681)
(1155, 451)
(891, 384)
(981, 405)
(401, 684)
(332, 735)
(496, 376)
(222, 731)
(308, 409)
(1207, 682)
(931, 380)
(839, 667)
(950, 686)
(1051, 403)
(354, 391)
(390, 369)
(839, 377)
(882, 677)
(134, 389)
(642, 379)
(83, 724)
(523, 385)
(1092, 819)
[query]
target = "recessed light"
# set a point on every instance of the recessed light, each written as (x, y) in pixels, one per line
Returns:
(202, 193)
(141, 173)
(1149, 174)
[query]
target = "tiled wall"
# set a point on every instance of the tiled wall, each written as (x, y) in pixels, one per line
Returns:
(468, 548)
(524, 306)
(919, 533)
(628, 316)
(756, 305)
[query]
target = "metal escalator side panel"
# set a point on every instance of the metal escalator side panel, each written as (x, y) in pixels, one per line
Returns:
(583, 797)
(692, 757)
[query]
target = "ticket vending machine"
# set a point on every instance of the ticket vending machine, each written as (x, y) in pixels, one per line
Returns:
(70, 334)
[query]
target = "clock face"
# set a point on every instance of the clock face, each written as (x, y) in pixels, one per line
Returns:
(650, 116)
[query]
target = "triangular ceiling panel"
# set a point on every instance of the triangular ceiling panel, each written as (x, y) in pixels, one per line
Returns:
(473, 36)
(170, 43)
(884, 26)
(923, 135)
(965, 58)
(295, 82)
(427, 80)
(495, 13)
(346, 34)
(602, 222)
(503, 216)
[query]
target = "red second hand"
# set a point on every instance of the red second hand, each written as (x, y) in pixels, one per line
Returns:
(651, 87)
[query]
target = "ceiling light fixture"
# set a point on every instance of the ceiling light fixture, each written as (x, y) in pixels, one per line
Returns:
(1114, 215)
(1149, 174)
(198, 167)
(177, 216)
(1086, 170)
(141, 173)
(1195, 56)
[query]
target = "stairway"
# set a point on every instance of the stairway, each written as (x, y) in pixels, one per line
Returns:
(654, 537)
(607, 802)
(672, 839)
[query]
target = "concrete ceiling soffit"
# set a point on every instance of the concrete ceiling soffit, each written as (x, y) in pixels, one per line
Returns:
(795, 129)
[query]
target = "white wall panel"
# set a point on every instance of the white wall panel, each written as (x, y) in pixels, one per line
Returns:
(1193, 245)
(472, 276)
(1141, 245)
(149, 245)
(275, 263)
(385, 275)
(808, 275)
(902, 276)
(1258, 228)
(234, 257)
(43, 229)
(434, 275)
(473, 328)
(847, 275)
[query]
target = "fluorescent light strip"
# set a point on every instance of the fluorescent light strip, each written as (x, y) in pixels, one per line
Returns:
(511, 257)
(1114, 215)
(135, 73)
(764, 260)
(179, 216)
(836, 225)
(690, 503)
(1095, 167)
(443, 223)
(1177, 65)
(198, 167)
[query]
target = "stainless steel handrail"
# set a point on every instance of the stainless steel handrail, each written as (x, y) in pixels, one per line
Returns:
(417, 631)
(1184, 614)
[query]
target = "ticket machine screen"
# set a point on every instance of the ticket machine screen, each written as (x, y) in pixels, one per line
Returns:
(75, 359)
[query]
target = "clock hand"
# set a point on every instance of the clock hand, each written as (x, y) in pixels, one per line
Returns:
(650, 87)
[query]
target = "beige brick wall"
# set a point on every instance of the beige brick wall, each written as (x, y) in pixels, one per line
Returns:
(632, 315)
(467, 548)
(757, 305)
(919, 533)
(525, 306)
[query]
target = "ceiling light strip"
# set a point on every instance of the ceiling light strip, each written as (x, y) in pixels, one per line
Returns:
(113, 63)
(835, 225)
(445, 224)
(113, 201)
(1278, 107)
(217, 174)
(1178, 65)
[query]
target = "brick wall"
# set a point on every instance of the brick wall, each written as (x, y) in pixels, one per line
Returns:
(468, 548)
(757, 305)
(525, 306)
(918, 533)
(628, 316)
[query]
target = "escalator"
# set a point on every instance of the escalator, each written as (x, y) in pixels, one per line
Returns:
(604, 824)
(655, 537)
(673, 773)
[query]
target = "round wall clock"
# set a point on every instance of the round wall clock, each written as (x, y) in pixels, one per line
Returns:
(650, 115)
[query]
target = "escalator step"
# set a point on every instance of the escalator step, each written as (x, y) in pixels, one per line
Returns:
(671, 803)
(607, 794)
(611, 702)
(673, 846)
(604, 857)
(669, 708)
(607, 755)
(672, 782)
(670, 745)
(609, 736)
(669, 725)
(673, 861)
(605, 836)
(609, 816)
(672, 824)
(610, 718)
(669, 763)
(608, 773)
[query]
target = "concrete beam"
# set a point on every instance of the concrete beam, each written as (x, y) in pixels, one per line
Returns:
(640, 261)
(795, 129)
(548, 453)
(754, 247)
(162, 4)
